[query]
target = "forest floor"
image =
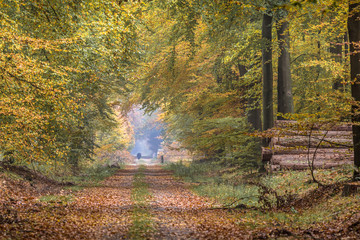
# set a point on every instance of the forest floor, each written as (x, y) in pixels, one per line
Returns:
(144, 202)
(135, 203)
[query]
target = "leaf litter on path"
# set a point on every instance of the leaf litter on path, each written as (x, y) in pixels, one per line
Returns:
(94, 213)
(180, 214)
(105, 212)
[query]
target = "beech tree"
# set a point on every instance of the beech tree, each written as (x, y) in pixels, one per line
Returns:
(354, 38)
(284, 90)
(66, 64)
(62, 67)
(267, 72)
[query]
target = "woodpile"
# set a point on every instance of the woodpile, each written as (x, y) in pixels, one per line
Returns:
(174, 153)
(299, 146)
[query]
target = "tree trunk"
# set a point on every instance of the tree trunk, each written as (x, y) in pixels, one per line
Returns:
(354, 38)
(346, 45)
(268, 115)
(285, 98)
(254, 114)
(267, 90)
(336, 51)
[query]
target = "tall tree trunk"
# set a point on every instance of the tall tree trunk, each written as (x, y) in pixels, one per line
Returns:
(254, 114)
(285, 98)
(354, 38)
(336, 51)
(346, 44)
(268, 115)
(267, 90)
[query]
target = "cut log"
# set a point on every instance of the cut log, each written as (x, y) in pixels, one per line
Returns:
(300, 125)
(331, 144)
(321, 158)
(317, 134)
(275, 167)
(266, 154)
(280, 150)
(314, 141)
(299, 166)
(351, 189)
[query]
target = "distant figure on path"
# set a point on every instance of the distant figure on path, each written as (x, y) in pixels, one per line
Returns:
(138, 156)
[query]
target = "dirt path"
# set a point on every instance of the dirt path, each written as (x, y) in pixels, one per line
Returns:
(179, 214)
(109, 212)
(102, 212)
(107, 209)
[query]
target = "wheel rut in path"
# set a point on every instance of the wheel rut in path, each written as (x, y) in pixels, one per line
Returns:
(107, 211)
(180, 214)
(110, 204)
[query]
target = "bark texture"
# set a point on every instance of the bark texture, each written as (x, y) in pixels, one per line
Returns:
(336, 51)
(268, 115)
(254, 114)
(354, 38)
(285, 97)
(301, 148)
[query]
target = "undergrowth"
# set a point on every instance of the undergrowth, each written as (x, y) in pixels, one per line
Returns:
(89, 177)
(267, 196)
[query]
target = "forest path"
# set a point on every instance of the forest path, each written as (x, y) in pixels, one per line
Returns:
(101, 211)
(178, 213)
(138, 202)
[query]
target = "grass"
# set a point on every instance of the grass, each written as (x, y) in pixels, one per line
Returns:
(299, 182)
(11, 175)
(229, 195)
(142, 220)
(89, 177)
(222, 188)
(325, 212)
(195, 172)
(231, 187)
(62, 199)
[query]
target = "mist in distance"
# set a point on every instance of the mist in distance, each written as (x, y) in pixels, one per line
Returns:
(147, 131)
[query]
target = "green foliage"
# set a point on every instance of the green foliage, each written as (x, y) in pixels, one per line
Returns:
(201, 94)
(211, 182)
(202, 69)
(89, 177)
(66, 67)
(63, 63)
(193, 171)
(232, 187)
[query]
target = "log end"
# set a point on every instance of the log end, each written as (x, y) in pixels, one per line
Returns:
(266, 154)
(351, 189)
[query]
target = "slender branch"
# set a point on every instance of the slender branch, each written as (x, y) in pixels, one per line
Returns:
(56, 15)
(309, 144)
(21, 80)
(313, 160)
(298, 57)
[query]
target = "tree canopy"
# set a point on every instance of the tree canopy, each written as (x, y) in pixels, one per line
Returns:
(70, 70)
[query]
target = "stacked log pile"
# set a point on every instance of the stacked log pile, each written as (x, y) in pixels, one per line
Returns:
(295, 146)
(174, 153)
